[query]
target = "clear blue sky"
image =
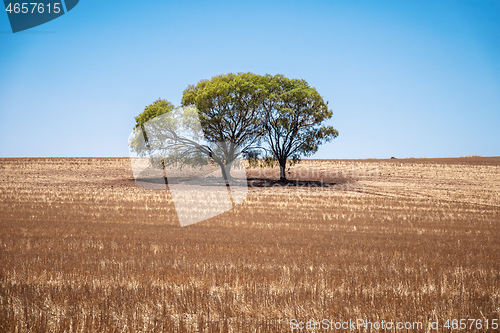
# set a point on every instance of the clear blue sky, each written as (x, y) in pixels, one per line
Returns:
(403, 78)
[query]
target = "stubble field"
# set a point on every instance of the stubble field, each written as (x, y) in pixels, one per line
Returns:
(83, 249)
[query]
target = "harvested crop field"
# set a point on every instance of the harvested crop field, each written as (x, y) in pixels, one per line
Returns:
(83, 249)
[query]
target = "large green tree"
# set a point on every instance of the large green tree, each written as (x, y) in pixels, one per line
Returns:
(294, 116)
(230, 112)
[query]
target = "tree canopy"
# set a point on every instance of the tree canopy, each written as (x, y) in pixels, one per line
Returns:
(230, 112)
(294, 113)
(169, 135)
(157, 108)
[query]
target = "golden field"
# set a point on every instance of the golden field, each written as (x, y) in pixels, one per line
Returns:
(83, 249)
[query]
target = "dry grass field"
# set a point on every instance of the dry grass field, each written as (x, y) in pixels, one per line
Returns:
(83, 249)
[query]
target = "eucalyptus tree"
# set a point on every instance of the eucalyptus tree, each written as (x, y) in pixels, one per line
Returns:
(169, 136)
(230, 112)
(230, 116)
(293, 122)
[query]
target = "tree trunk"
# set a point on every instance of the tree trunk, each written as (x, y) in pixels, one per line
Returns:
(282, 169)
(164, 171)
(226, 173)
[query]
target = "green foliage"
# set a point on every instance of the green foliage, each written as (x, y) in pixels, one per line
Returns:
(169, 135)
(254, 161)
(235, 113)
(294, 113)
(157, 108)
(230, 112)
